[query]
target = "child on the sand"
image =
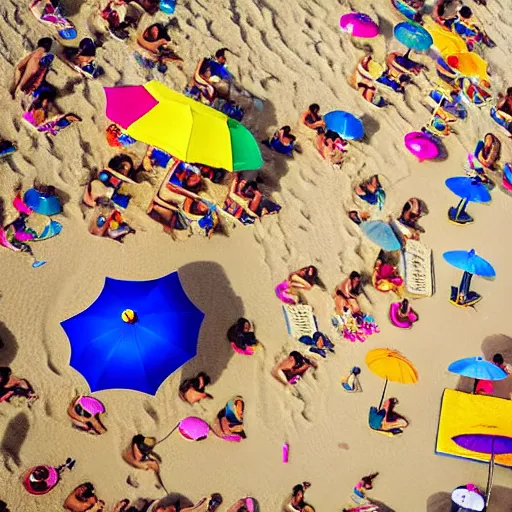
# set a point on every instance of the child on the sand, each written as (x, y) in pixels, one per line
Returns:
(12, 386)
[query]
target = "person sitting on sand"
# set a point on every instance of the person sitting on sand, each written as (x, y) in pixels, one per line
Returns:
(371, 191)
(193, 390)
(391, 420)
(289, 291)
(209, 504)
(386, 277)
(445, 11)
(290, 370)
(412, 211)
(486, 387)
(346, 293)
(504, 104)
(248, 192)
(85, 415)
(230, 420)
(358, 499)
(31, 71)
(465, 25)
(312, 118)
(140, 453)
(82, 499)
(331, 147)
(488, 151)
(241, 334)
(399, 65)
(84, 57)
(155, 40)
(351, 382)
(205, 74)
(296, 501)
(12, 387)
(115, 14)
(283, 141)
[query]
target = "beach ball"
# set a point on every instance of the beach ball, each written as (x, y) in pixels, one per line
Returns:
(421, 146)
(194, 428)
(129, 316)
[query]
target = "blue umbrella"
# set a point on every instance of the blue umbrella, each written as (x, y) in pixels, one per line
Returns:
(346, 124)
(477, 368)
(382, 234)
(471, 264)
(135, 334)
(42, 203)
(413, 35)
(469, 190)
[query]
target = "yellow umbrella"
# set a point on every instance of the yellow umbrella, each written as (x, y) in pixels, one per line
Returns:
(392, 366)
(469, 64)
(446, 41)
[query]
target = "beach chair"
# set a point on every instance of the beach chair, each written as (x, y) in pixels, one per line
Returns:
(300, 320)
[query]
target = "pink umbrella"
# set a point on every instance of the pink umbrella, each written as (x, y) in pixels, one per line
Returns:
(358, 24)
(194, 428)
(421, 146)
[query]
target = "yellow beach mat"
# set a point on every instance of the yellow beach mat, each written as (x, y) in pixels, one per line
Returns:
(445, 40)
(464, 413)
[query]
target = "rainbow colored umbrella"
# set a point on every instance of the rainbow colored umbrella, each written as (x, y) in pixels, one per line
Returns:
(184, 128)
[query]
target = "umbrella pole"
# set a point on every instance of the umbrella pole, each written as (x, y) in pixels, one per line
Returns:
(490, 478)
(461, 207)
(465, 283)
(383, 394)
(406, 56)
(168, 435)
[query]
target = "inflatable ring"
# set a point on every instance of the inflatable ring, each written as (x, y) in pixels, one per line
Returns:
(249, 351)
(51, 481)
(396, 321)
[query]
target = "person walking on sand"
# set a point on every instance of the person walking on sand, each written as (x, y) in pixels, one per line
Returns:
(31, 71)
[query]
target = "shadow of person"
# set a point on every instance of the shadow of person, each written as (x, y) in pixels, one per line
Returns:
(8, 345)
(208, 287)
(177, 500)
(371, 127)
(14, 437)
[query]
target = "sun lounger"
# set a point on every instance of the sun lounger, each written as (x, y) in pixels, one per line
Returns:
(417, 268)
(300, 320)
(465, 413)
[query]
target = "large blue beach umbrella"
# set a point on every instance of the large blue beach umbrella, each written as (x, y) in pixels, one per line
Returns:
(135, 334)
(470, 262)
(45, 204)
(347, 125)
(413, 36)
(381, 234)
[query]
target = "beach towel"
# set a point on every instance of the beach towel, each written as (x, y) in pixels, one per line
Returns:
(300, 320)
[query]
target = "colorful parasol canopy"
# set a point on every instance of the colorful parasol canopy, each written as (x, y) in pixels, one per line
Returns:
(381, 234)
(446, 41)
(470, 262)
(182, 127)
(477, 368)
(469, 64)
(392, 366)
(347, 125)
(135, 334)
(358, 24)
(469, 189)
(413, 36)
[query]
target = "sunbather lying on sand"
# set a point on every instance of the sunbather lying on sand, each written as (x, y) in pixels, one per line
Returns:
(155, 40)
(413, 210)
(386, 277)
(31, 71)
(371, 191)
(140, 453)
(290, 370)
(208, 504)
(84, 412)
(346, 293)
(388, 419)
(331, 147)
(208, 72)
(83, 58)
(312, 118)
(12, 386)
(41, 114)
(296, 501)
(115, 14)
(488, 150)
(229, 423)
(193, 390)
(289, 291)
(83, 498)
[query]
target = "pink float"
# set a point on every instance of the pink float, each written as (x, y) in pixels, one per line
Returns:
(358, 24)
(249, 351)
(91, 405)
(397, 321)
(421, 146)
(194, 428)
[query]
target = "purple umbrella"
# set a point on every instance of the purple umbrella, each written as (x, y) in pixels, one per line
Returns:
(493, 444)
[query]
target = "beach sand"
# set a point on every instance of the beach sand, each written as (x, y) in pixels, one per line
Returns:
(290, 54)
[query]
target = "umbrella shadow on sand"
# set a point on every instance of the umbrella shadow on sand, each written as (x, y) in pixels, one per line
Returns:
(208, 287)
(500, 500)
(14, 436)
(8, 345)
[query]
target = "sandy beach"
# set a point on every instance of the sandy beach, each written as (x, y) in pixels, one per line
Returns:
(288, 54)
